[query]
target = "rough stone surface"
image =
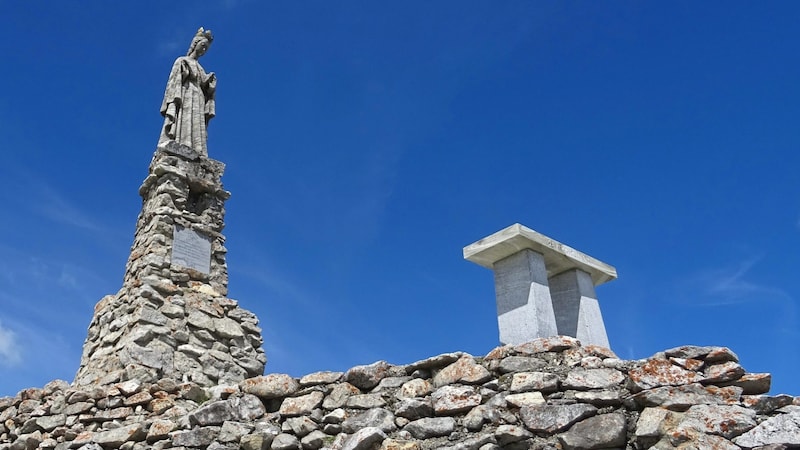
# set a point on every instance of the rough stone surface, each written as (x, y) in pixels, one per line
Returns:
(554, 418)
(603, 431)
(323, 410)
(431, 427)
(661, 372)
(727, 421)
(680, 398)
(295, 406)
(783, 429)
(368, 376)
(449, 400)
(534, 381)
(374, 418)
(465, 370)
(593, 378)
(508, 434)
(169, 321)
(270, 386)
(364, 439)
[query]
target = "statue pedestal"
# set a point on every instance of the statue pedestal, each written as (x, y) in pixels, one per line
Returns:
(171, 318)
(543, 287)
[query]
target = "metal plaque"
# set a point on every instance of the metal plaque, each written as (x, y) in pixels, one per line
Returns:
(191, 249)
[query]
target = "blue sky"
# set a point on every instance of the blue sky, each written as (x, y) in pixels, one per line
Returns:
(367, 143)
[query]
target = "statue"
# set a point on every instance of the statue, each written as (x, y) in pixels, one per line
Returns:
(189, 98)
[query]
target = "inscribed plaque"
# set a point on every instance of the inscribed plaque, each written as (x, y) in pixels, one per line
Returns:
(191, 249)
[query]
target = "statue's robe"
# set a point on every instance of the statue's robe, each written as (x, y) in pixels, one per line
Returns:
(188, 105)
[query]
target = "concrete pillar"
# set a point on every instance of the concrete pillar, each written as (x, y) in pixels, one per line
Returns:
(576, 307)
(524, 308)
(543, 287)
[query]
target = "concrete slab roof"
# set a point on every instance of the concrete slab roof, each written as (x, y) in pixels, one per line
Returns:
(558, 257)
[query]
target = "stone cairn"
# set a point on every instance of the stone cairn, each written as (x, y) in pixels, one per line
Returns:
(547, 394)
(171, 318)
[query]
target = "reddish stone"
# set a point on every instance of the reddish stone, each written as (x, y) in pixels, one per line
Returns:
(754, 383)
(727, 371)
(721, 354)
(297, 406)
(140, 398)
(547, 344)
(661, 372)
(688, 363)
(680, 398)
(499, 353)
(159, 405)
(367, 376)
(159, 430)
(270, 386)
(465, 370)
(599, 351)
(455, 399)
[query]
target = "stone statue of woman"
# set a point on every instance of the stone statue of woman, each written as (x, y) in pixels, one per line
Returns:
(189, 98)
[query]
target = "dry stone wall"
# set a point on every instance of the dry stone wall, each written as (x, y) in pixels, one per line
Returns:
(550, 393)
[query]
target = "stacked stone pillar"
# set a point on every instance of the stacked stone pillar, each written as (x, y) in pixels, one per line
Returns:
(172, 319)
(543, 287)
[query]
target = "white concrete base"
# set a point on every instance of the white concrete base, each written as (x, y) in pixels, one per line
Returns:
(576, 308)
(524, 307)
(591, 329)
(528, 322)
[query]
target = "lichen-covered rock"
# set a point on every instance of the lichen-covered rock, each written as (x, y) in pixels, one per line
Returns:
(680, 398)
(525, 399)
(600, 378)
(575, 398)
(339, 394)
(726, 371)
(417, 387)
(783, 429)
(304, 404)
(727, 421)
(464, 370)
(661, 372)
(270, 386)
(534, 381)
(367, 376)
(448, 400)
(325, 377)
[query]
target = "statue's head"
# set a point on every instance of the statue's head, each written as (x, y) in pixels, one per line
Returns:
(200, 43)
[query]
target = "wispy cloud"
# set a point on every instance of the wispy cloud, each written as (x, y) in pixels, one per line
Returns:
(731, 285)
(9, 348)
(56, 208)
(173, 47)
(43, 199)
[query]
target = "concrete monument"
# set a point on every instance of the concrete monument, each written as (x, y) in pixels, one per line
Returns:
(543, 287)
(189, 102)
